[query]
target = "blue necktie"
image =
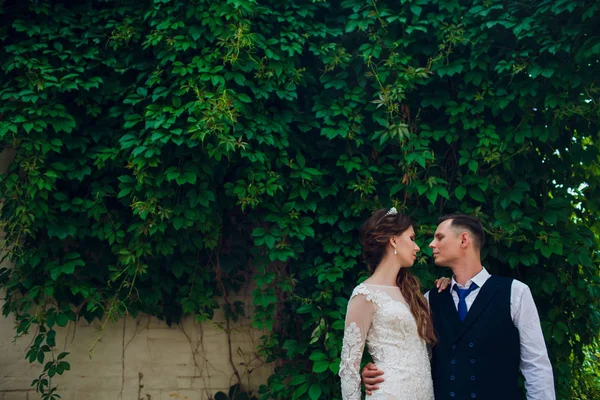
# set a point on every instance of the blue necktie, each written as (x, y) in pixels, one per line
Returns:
(462, 295)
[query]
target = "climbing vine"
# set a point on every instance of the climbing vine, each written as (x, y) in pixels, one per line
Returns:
(168, 153)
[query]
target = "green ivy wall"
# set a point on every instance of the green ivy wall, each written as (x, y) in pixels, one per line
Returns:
(170, 152)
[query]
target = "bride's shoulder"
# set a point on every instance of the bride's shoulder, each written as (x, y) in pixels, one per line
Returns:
(361, 289)
(368, 293)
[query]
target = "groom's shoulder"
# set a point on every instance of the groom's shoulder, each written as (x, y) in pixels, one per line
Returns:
(433, 293)
(514, 284)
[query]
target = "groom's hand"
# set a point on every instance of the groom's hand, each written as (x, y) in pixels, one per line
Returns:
(371, 376)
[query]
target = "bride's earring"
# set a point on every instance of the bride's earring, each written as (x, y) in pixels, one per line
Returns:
(395, 252)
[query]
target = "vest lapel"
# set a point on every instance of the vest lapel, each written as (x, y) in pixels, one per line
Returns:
(448, 308)
(485, 295)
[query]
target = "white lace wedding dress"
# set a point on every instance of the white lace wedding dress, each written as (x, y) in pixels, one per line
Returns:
(379, 316)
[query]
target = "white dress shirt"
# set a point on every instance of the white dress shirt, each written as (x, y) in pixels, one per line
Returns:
(535, 364)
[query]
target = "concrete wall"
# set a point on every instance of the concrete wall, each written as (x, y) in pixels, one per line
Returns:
(141, 359)
(138, 359)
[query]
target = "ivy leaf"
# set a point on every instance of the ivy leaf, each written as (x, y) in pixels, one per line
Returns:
(460, 192)
(320, 366)
(178, 222)
(473, 165)
(450, 69)
(300, 390)
(195, 32)
(477, 195)
(142, 91)
(315, 391)
(416, 9)
(307, 231)
(432, 195)
(442, 191)
(318, 356)
(62, 320)
(244, 98)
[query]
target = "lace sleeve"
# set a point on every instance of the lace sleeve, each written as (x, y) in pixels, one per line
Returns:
(358, 322)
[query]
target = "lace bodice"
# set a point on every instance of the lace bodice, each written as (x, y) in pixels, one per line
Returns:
(379, 316)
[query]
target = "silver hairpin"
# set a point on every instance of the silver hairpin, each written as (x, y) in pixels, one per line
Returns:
(392, 211)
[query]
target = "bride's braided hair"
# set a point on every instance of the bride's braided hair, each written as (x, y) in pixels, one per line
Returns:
(375, 235)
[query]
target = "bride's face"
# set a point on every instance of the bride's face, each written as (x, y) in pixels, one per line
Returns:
(406, 248)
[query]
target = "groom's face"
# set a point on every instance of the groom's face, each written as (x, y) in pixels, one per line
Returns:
(445, 245)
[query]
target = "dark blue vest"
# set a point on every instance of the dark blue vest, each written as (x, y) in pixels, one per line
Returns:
(477, 358)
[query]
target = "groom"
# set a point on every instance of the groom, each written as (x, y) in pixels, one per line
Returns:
(487, 326)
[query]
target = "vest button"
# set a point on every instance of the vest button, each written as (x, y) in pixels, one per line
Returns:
(472, 361)
(471, 344)
(452, 378)
(453, 347)
(473, 395)
(472, 378)
(452, 394)
(453, 361)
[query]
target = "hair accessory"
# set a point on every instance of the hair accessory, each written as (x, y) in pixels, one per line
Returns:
(392, 211)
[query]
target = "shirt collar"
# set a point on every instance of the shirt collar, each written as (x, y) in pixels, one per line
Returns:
(478, 279)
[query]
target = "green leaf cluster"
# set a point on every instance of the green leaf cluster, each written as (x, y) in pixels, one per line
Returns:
(168, 153)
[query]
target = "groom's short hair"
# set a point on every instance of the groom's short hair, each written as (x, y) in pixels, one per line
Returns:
(468, 223)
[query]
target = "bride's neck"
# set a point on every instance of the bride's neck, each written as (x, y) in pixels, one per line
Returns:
(385, 273)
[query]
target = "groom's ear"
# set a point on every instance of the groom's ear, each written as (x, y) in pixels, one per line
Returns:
(465, 240)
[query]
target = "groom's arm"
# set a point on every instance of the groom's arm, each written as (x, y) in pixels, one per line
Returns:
(371, 377)
(535, 364)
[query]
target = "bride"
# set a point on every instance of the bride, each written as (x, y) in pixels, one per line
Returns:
(389, 313)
